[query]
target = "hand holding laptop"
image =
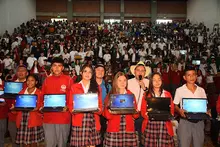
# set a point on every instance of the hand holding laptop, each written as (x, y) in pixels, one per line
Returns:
(2, 102)
(65, 109)
(182, 113)
(209, 113)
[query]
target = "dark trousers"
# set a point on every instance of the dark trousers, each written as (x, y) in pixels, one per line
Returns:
(103, 122)
(138, 126)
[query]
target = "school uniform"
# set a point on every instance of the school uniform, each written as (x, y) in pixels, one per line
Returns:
(120, 128)
(157, 133)
(56, 124)
(12, 118)
(30, 124)
(85, 126)
(190, 130)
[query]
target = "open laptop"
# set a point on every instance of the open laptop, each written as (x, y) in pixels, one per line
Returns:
(122, 103)
(85, 102)
(25, 102)
(196, 62)
(54, 102)
(195, 108)
(11, 89)
(159, 109)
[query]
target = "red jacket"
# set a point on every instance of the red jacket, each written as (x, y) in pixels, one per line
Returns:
(10, 102)
(57, 85)
(77, 118)
(176, 77)
(218, 105)
(114, 120)
(35, 117)
(3, 109)
(144, 109)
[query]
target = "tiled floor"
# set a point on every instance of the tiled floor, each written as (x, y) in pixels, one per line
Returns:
(208, 143)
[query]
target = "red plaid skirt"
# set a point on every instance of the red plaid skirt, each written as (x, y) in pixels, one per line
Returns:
(87, 134)
(121, 138)
(156, 135)
(27, 135)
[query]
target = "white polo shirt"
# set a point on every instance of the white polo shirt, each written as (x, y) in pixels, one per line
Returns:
(134, 87)
(184, 92)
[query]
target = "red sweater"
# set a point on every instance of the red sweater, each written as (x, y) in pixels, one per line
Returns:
(57, 85)
(77, 118)
(12, 116)
(3, 109)
(114, 120)
(35, 117)
(218, 105)
(144, 109)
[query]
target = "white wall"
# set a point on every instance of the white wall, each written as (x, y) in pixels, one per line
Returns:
(206, 11)
(14, 12)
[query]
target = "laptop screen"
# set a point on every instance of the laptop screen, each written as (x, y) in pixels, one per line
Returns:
(85, 101)
(55, 100)
(158, 104)
(13, 87)
(195, 105)
(25, 101)
(122, 100)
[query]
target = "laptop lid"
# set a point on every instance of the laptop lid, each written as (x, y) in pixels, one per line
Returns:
(158, 104)
(12, 87)
(26, 101)
(87, 101)
(54, 100)
(122, 101)
(195, 105)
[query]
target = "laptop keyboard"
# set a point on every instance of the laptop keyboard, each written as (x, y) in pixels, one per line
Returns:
(9, 96)
(52, 109)
(160, 116)
(198, 116)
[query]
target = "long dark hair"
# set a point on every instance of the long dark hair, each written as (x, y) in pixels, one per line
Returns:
(93, 87)
(36, 79)
(150, 91)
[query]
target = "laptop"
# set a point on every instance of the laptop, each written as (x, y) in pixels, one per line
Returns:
(54, 102)
(11, 89)
(196, 62)
(2, 100)
(25, 102)
(159, 109)
(195, 108)
(122, 103)
(85, 102)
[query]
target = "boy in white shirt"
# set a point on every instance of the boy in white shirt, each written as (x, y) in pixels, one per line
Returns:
(189, 130)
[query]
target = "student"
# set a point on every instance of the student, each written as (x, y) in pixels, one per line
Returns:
(105, 87)
(156, 133)
(120, 128)
(189, 130)
(85, 126)
(21, 75)
(57, 124)
(30, 124)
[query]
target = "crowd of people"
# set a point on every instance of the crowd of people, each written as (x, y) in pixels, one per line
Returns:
(146, 59)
